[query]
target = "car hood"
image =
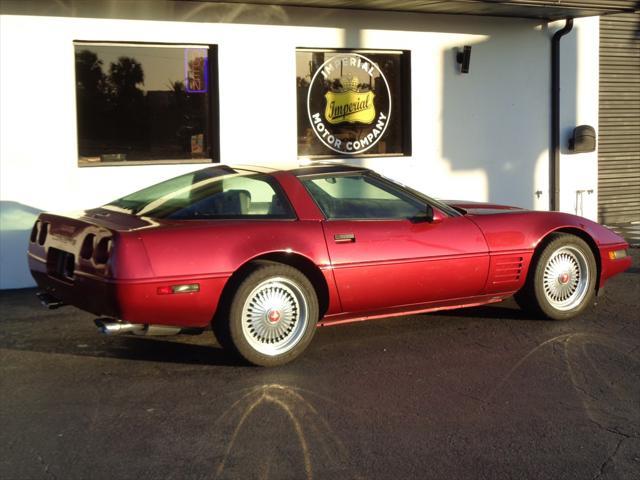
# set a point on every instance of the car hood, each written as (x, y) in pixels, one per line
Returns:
(481, 208)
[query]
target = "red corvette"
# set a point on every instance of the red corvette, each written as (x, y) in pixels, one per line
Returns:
(264, 255)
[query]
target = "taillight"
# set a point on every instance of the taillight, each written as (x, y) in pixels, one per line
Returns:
(86, 251)
(34, 231)
(102, 250)
(42, 233)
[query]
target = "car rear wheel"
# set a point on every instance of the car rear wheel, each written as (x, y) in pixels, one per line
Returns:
(561, 281)
(273, 315)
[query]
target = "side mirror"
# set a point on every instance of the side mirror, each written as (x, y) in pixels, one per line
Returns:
(583, 140)
(434, 215)
(429, 215)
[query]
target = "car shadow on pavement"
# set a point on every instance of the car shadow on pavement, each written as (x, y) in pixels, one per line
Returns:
(179, 350)
(502, 311)
(174, 350)
(26, 326)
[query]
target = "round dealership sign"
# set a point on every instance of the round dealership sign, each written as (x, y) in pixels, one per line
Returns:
(349, 103)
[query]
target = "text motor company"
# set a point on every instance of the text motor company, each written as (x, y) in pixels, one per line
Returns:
(349, 103)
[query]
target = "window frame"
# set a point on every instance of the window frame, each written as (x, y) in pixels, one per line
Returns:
(406, 103)
(213, 105)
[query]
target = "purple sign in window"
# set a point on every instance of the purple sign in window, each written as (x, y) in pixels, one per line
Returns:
(196, 70)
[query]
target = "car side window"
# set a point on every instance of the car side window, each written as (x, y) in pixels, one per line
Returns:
(360, 196)
(228, 196)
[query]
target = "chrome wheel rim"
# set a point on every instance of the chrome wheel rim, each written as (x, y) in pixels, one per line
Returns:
(275, 316)
(566, 278)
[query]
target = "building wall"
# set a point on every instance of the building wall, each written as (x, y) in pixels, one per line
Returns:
(482, 136)
(579, 94)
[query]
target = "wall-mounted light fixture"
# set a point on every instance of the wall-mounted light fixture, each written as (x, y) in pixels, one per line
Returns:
(464, 58)
(583, 139)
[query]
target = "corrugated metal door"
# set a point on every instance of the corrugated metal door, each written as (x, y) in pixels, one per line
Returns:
(619, 129)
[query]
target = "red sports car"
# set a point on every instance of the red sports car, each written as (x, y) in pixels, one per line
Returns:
(264, 255)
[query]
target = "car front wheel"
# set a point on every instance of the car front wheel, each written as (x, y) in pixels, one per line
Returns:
(273, 314)
(561, 283)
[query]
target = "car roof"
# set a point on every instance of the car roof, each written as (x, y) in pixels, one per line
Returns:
(302, 170)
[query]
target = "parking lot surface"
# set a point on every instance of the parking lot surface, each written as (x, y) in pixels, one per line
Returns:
(479, 393)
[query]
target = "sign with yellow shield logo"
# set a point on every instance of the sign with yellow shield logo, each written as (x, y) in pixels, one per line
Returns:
(349, 103)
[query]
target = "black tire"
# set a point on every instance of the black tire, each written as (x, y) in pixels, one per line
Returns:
(272, 316)
(561, 282)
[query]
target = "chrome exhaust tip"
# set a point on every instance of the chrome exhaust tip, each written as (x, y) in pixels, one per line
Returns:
(49, 301)
(160, 330)
(109, 326)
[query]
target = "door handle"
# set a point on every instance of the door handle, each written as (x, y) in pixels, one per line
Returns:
(344, 238)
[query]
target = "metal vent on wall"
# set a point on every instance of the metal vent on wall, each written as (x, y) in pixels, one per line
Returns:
(619, 123)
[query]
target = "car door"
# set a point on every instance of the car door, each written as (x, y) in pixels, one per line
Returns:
(385, 252)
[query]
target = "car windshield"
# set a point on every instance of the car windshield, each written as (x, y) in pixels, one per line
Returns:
(216, 192)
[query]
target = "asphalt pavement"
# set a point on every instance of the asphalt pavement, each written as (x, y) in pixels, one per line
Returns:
(482, 393)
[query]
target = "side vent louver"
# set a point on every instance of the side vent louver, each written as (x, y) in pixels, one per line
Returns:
(507, 270)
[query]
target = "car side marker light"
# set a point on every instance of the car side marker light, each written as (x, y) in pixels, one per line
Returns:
(188, 288)
(617, 254)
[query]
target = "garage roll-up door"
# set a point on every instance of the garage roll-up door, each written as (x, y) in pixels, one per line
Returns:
(619, 124)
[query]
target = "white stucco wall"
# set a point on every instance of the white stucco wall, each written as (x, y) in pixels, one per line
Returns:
(579, 99)
(482, 136)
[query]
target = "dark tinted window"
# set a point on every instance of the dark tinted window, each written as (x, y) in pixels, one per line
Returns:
(361, 197)
(219, 192)
(143, 102)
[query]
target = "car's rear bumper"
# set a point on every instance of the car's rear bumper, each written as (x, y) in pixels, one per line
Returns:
(135, 301)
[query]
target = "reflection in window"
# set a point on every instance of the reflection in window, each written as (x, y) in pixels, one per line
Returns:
(353, 103)
(361, 197)
(212, 193)
(143, 102)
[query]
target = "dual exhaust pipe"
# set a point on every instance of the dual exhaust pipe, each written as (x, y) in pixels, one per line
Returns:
(49, 301)
(110, 326)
